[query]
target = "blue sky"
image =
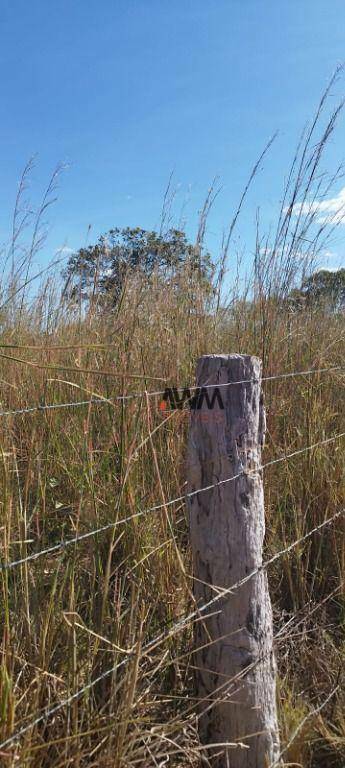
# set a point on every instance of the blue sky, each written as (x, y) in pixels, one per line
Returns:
(127, 91)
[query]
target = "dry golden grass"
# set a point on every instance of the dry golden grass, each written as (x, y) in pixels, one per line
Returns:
(70, 616)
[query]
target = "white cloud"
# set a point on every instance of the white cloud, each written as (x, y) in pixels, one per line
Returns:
(279, 252)
(63, 249)
(331, 261)
(331, 210)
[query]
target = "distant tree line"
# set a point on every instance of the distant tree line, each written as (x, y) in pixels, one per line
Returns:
(324, 288)
(106, 266)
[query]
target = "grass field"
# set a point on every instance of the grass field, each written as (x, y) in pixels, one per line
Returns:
(75, 613)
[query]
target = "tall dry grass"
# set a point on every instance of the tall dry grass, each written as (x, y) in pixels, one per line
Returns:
(71, 616)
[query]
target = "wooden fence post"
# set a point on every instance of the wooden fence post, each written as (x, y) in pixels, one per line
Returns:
(233, 657)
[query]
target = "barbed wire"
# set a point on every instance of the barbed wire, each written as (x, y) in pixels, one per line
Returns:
(184, 621)
(123, 398)
(253, 380)
(283, 633)
(51, 406)
(194, 388)
(314, 712)
(60, 546)
(177, 627)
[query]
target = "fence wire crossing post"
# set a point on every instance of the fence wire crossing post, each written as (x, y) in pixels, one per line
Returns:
(235, 673)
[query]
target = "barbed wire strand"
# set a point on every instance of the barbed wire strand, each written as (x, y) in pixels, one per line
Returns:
(165, 634)
(121, 398)
(223, 688)
(314, 712)
(82, 537)
(253, 380)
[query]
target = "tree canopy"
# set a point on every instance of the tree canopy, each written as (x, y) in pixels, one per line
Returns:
(324, 288)
(108, 262)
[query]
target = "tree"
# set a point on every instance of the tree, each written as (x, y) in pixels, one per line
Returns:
(120, 252)
(323, 288)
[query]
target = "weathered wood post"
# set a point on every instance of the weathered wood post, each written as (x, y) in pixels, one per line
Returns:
(233, 658)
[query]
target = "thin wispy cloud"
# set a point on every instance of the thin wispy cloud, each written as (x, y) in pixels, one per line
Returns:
(330, 210)
(64, 249)
(331, 261)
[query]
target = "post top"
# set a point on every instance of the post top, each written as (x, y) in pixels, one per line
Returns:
(234, 367)
(232, 356)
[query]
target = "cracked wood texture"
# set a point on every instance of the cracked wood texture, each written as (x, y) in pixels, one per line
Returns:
(234, 662)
